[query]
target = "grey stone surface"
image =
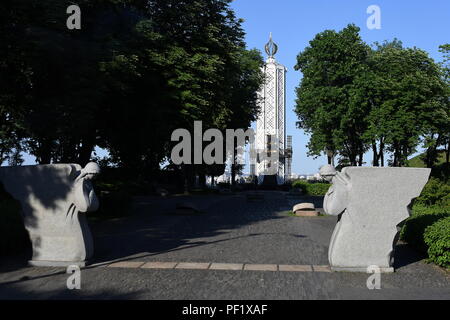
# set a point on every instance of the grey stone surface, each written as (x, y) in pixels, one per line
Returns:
(303, 207)
(370, 202)
(54, 199)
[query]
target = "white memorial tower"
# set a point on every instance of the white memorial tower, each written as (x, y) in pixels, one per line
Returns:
(270, 125)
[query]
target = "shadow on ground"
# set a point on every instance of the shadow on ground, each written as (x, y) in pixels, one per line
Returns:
(8, 292)
(154, 229)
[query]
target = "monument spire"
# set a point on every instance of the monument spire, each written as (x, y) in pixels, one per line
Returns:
(270, 125)
(271, 47)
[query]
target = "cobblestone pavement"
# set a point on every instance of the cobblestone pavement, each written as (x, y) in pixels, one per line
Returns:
(242, 246)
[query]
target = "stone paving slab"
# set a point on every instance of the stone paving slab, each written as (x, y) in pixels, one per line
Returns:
(219, 266)
(294, 268)
(321, 268)
(261, 267)
(192, 265)
(126, 264)
(226, 266)
(159, 265)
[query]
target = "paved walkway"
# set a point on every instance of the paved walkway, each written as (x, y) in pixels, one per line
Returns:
(238, 248)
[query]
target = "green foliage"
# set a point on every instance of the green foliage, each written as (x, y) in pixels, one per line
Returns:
(435, 192)
(445, 50)
(437, 238)
(418, 161)
(353, 98)
(406, 87)
(313, 189)
(292, 214)
(327, 103)
(432, 206)
(13, 236)
(135, 71)
(422, 217)
(442, 172)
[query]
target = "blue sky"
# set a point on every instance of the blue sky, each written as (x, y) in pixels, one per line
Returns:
(424, 24)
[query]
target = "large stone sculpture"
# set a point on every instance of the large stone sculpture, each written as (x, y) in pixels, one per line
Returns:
(370, 203)
(54, 199)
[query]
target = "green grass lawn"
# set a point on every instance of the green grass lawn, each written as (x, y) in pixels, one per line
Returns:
(417, 162)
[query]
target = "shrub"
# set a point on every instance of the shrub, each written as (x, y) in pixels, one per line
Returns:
(422, 217)
(312, 188)
(437, 238)
(435, 192)
(441, 172)
(318, 189)
(13, 236)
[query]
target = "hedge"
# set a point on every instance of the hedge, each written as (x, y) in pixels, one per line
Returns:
(435, 192)
(311, 188)
(422, 217)
(428, 228)
(437, 238)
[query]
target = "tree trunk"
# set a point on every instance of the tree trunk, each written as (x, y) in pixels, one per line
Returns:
(352, 159)
(44, 155)
(233, 174)
(447, 152)
(381, 154)
(395, 162)
(84, 155)
(376, 156)
(404, 157)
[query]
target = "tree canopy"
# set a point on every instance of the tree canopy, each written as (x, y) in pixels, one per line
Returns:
(354, 98)
(134, 72)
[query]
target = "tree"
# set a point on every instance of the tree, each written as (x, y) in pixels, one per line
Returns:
(404, 92)
(14, 76)
(136, 71)
(439, 129)
(328, 105)
(55, 75)
(353, 98)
